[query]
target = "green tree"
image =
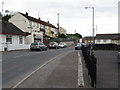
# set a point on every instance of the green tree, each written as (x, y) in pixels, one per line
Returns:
(8, 14)
(78, 35)
(62, 36)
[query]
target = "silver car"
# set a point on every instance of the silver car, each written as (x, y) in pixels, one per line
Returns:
(38, 46)
(53, 45)
(62, 45)
(78, 46)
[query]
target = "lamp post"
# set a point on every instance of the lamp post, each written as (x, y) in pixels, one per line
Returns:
(93, 32)
(2, 9)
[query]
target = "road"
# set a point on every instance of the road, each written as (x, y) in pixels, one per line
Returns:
(19, 64)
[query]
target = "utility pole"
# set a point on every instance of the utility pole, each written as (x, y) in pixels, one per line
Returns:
(2, 8)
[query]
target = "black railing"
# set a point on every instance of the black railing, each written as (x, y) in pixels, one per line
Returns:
(91, 64)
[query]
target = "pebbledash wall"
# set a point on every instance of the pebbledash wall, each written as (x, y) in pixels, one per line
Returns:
(4, 46)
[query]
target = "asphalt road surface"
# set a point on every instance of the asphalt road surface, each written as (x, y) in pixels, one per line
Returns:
(17, 65)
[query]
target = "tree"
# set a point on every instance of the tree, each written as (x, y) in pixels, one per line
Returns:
(8, 14)
(78, 35)
(62, 36)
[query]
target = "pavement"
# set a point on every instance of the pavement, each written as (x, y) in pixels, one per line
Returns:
(107, 69)
(61, 72)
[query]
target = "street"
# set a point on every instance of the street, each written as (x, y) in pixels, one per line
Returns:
(20, 64)
(56, 68)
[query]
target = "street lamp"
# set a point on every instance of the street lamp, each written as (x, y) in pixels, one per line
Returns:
(92, 23)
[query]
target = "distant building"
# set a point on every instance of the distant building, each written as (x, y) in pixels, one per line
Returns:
(108, 39)
(88, 39)
(62, 31)
(12, 38)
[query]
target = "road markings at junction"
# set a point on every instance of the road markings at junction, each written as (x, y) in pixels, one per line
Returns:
(80, 72)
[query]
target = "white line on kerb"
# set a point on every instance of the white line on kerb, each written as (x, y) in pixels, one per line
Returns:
(80, 72)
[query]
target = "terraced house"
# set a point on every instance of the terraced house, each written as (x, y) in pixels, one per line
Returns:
(40, 31)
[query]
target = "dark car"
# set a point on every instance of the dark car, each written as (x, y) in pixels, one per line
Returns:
(78, 46)
(53, 45)
(38, 46)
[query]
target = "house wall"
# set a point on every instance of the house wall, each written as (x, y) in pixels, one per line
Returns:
(26, 26)
(15, 43)
(62, 31)
(106, 41)
(20, 21)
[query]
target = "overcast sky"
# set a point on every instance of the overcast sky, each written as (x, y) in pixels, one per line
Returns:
(73, 15)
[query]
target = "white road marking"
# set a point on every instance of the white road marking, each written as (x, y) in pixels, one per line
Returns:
(31, 53)
(22, 55)
(80, 72)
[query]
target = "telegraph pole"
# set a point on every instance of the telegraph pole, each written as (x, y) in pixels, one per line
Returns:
(2, 8)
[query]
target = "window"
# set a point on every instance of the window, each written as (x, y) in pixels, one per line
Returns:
(9, 39)
(20, 40)
(104, 40)
(98, 40)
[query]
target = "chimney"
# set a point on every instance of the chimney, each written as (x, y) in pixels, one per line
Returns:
(26, 13)
(47, 21)
(39, 18)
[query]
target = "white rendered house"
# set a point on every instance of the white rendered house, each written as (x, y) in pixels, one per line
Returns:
(12, 38)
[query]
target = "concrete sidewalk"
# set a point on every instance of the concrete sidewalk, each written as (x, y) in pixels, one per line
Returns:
(62, 72)
(107, 69)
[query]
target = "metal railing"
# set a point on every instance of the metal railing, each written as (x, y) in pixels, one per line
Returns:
(91, 64)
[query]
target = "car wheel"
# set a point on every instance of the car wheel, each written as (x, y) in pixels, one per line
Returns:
(40, 49)
(31, 49)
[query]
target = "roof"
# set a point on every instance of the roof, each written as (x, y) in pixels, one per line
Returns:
(108, 36)
(37, 20)
(9, 28)
(88, 38)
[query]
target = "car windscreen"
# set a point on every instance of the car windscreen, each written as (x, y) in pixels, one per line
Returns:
(79, 44)
(41, 44)
(52, 43)
(34, 44)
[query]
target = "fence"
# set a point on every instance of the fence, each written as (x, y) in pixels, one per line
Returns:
(91, 63)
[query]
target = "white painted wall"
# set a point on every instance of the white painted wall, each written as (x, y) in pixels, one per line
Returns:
(23, 23)
(20, 21)
(108, 41)
(15, 43)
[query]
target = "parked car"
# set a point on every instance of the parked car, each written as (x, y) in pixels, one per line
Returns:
(62, 45)
(78, 46)
(53, 45)
(38, 46)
